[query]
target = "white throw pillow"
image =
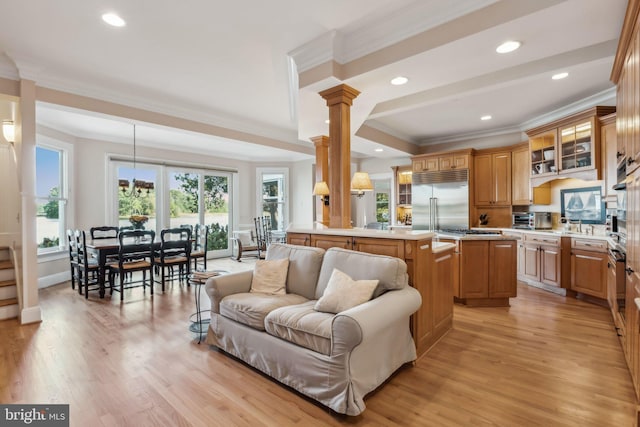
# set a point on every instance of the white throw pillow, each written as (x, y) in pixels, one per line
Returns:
(270, 277)
(342, 293)
(244, 237)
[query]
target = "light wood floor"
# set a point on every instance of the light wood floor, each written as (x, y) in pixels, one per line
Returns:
(545, 361)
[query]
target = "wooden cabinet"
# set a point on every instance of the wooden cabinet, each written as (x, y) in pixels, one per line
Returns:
(441, 161)
(430, 274)
(589, 272)
(522, 194)
(567, 148)
(541, 259)
(610, 155)
(487, 272)
(492, 179)
(403, 179)
(300, 239)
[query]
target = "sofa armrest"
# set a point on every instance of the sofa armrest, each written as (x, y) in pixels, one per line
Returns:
(218, 287)
(363, 322)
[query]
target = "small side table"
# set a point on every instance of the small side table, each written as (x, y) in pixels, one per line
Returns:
(199, 325)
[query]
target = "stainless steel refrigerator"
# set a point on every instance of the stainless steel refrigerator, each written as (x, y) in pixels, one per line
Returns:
(440, 200)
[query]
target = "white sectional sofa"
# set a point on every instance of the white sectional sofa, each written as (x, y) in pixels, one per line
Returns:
(335, 359)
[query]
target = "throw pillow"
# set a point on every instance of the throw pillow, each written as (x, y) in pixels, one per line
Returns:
(270, 277)
(244, 237)
(343, 293)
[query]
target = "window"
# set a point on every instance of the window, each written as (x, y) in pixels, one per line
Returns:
(272, 198)
(52, 196)
(382, 189)
(180, 196)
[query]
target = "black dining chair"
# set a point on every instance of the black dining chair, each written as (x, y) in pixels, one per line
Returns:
(199, 246)
(175, 252)
(88, 268)
(104, 232)
(73, 257)
(135, 253)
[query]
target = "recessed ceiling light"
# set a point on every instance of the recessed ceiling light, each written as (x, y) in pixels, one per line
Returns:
(508, 46)
(327, 121)
(379, 150)
(400, 80)
(113, 20)
(560, 76)
(487, 117)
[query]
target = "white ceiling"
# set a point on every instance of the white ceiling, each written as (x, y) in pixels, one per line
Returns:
(236, 65)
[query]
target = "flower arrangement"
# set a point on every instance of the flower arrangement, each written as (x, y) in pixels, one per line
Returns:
(138, 221)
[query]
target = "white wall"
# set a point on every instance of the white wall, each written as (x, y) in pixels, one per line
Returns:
(89, 184)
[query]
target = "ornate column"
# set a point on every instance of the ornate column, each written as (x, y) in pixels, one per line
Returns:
(339, 100)
(322, 174)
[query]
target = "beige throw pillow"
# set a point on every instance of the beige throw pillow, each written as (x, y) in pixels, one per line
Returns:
(270, 277)
(343, 293)
(244, 237)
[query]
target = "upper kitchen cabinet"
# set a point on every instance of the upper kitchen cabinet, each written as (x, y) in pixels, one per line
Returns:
(403, 177)
(441, 161)
(610, 155)
(492, 178)
(567, 148)
(522, 194)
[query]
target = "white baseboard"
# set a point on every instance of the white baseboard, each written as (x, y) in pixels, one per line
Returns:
(53, 279)
(31, 315)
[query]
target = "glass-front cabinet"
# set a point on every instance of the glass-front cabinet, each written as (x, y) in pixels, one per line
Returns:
(569, 147)
(543, 153)
(576, 146)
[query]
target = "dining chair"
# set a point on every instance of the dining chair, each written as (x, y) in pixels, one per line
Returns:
(263, 234)
(88, 268)
(73, 257)
(175, 252)
(104, 232)
(199, 247)
(135, 253)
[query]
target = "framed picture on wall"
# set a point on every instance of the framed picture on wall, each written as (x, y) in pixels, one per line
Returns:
(583, 204)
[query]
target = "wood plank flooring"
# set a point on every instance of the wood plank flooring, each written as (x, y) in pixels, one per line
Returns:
(545, 361)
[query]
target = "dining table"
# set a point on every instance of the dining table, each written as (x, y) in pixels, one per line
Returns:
(101, 249)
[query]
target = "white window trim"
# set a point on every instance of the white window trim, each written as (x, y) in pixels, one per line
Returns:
(67, 193)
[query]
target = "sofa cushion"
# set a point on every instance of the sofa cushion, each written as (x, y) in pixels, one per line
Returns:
(391, 272)
(304, 267)
(251, 308)
(342, 293)
(302, 325)
(270, 277)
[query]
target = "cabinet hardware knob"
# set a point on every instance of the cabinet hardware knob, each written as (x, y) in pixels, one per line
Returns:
(619, 154)
(629, 270)
(630, 160)
(608, 265)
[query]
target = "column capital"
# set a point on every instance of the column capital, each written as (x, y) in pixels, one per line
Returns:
(341, 94)
(320, 141)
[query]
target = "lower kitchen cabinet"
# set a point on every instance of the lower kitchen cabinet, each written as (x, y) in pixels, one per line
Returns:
(301, 239)
(541, 259)
(487, 272)
(589, 267)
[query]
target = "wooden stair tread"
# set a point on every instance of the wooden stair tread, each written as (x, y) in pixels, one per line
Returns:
(5, 265)
(9, 301)
(4, 283)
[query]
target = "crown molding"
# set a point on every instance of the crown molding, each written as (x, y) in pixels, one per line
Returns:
(606, 97)
(471, 135)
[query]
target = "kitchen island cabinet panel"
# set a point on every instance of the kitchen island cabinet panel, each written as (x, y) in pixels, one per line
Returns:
(426, 272)
(474, 269)
(300, 239)
(502, 274)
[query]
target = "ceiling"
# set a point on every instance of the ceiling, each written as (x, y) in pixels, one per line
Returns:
(256, 68)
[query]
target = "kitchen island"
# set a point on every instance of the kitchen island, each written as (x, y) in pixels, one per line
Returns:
(485, 268)
(429, 265)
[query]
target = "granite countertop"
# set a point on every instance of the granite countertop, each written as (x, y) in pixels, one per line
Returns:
(401, 234)
(563, 233)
